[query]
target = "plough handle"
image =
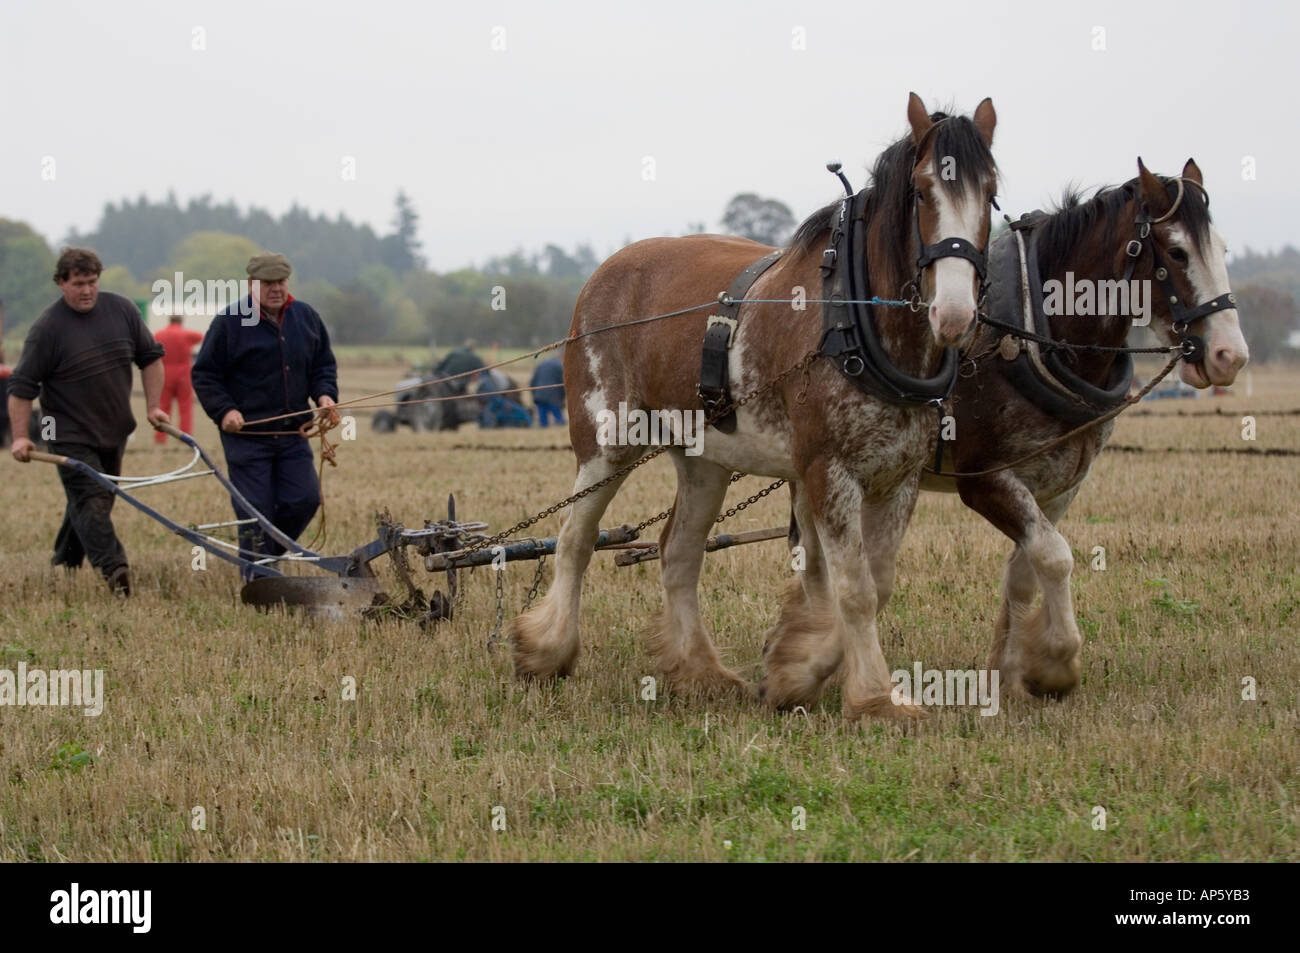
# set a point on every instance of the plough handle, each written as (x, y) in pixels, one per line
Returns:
(43, 457)
(169, 430)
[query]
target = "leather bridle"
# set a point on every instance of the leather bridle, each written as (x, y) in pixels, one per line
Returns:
(1193, 345)
(944, 247)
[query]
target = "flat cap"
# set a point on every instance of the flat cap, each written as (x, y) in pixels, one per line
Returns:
(269, 266)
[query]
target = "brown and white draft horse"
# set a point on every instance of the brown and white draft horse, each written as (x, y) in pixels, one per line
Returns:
(1016, 399)
(857, 457)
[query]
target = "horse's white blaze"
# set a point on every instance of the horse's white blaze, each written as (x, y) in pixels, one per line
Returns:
(952, 309)
(1225, 347)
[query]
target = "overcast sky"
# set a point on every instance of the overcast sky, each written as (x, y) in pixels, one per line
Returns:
(547, 139)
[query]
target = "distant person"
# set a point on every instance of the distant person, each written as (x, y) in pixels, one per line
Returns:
(548, 391)
(459, 361)
(5, 371)
(179, 343)
(494, 380)
(265, 356)
(497, 408)
(78, 358)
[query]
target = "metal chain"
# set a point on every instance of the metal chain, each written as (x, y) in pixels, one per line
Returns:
(618, 474)
(653, 519)
(735, 478)
(753, 499)
(537, 582)
(495, 636)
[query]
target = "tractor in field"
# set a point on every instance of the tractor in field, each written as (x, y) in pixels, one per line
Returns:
(428, 400)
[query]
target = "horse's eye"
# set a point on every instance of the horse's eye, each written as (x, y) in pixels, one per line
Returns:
(1178, 255)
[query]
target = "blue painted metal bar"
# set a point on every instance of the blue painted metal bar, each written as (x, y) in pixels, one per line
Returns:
(527, 549)
(267, 526)
(194, 537)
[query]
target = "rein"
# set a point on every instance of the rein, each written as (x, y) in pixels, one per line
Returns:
(1065, 438)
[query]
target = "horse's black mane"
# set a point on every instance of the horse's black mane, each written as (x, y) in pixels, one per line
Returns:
(1074, 216)
(890, 188)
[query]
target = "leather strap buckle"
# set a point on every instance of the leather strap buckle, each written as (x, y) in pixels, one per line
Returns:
(730, 323)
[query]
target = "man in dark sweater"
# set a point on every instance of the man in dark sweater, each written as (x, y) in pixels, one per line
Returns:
(77, 357)
(262, 357)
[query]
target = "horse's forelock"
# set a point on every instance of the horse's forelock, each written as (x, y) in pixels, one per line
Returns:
(1193, 212)
(889, 197)
(957, 138)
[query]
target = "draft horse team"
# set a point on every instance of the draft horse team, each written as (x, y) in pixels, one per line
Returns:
(855, 428)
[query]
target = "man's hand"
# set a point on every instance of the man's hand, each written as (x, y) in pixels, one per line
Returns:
(326, 405)
(21, 448)
(158, 416)
(233, 422)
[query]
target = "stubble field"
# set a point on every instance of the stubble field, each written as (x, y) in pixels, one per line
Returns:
(210, 705)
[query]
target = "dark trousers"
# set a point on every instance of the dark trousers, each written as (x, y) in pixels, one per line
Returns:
(545, 409)
(87, 529)
(277, 475)
(6, 432)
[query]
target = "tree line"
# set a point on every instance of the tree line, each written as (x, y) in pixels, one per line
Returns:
(379, 289)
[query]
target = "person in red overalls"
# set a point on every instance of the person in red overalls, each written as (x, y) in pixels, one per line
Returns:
(176, 365)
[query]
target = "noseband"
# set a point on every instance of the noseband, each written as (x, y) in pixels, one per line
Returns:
(946, 248)
(1193, 345)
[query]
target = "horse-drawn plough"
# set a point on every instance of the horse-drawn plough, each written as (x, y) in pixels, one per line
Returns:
(348, 585)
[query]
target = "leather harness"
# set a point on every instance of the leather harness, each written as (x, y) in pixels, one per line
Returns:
(1015, 297)
(719, 335)
(849, 334)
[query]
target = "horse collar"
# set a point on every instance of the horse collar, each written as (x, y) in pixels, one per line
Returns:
(1016, 298)
(849, 334)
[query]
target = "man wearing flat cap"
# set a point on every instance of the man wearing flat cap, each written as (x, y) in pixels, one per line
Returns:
(264, 356)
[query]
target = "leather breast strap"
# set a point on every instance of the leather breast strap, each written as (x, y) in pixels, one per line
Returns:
(719, 335)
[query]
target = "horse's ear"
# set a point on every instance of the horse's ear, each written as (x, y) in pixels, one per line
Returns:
(918, 117)
(1192, 173)
(985, 119)
(1153, 191)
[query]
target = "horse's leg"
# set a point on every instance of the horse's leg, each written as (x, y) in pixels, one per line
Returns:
(545, 639)
(678, 641)
(812, 579)
(805, 628)
(1019, 587)
(868, 689)
(1035, 649)
(800, 662)
(1051, 646)
(883, 527)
